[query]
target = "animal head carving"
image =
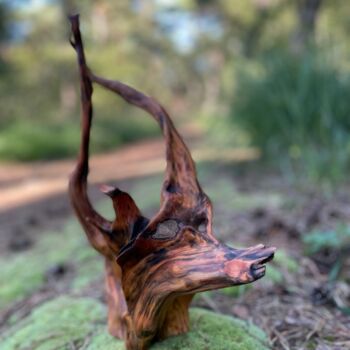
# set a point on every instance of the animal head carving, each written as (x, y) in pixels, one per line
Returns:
(182, 228)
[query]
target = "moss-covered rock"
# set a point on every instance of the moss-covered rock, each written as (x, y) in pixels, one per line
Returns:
(55, 325)
(213, 331)
(67, 322)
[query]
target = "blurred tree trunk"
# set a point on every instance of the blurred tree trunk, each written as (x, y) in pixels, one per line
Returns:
(5, 19)
(68, 7)
(212, 81)
(307, 12)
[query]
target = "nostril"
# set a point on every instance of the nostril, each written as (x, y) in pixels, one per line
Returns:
(258, 271)
(256, 266)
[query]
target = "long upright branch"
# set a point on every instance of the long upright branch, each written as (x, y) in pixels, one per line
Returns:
(105, 237)
(88, 217)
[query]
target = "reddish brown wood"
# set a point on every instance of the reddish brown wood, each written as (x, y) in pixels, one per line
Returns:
(154, 267)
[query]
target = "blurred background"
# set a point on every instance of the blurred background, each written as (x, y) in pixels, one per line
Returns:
(260, 90)
(268, 73)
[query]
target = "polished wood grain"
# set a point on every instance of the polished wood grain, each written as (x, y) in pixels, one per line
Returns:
(154, 266)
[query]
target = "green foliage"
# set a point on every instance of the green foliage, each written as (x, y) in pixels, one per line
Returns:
(296, 108)
(4, 14)
(39, 84)
(336, 238)
(28, 141)
(336, 241)
(45, 125)
(34, 141)
(62, 322)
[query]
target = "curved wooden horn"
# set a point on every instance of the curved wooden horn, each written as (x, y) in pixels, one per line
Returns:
(180, 175)
(92, 222)
(181, 197)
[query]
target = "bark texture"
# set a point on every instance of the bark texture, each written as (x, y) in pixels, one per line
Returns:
(155, 266)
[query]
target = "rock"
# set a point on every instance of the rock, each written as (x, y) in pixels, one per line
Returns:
(80, 323)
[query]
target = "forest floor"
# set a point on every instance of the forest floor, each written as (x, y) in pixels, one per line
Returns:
(302, 303)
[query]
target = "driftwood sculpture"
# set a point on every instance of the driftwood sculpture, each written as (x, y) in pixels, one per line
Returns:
(155, 266)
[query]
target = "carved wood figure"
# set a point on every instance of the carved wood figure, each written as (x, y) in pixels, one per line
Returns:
(155, 266)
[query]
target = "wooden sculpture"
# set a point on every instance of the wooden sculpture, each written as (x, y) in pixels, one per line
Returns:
(155, 266)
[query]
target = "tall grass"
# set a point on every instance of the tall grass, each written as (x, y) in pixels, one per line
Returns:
(297, 110)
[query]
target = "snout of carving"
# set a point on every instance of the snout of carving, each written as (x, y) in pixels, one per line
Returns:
(249, 264)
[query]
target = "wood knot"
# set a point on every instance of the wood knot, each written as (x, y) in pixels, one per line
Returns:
(167, 229)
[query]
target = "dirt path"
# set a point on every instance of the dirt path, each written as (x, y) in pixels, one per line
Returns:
(22, 184)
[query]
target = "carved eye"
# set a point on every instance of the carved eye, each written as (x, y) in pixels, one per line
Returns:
(167, 229)
(202, 227)
(201, 224)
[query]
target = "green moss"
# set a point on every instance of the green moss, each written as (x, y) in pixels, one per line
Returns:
(208, 331)
(63, 322)
(25, 273)
(105, 341)
(19, 278)
(219, 332)
(55, 325)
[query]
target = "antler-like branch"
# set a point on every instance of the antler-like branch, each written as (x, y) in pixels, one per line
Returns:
(181, 171)
(182, 196)
(92, 222)
(105, 237)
